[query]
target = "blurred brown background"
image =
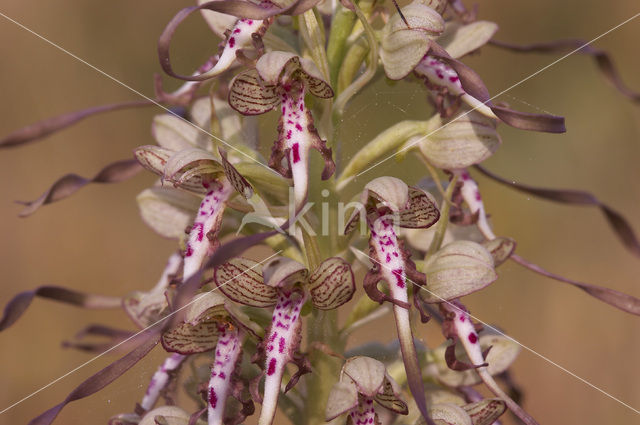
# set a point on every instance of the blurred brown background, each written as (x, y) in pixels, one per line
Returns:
(95, 241)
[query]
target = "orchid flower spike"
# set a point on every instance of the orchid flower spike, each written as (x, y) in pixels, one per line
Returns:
(284, 78)
(458, 326)
(198, 171)
(212, 324)
(364, 380)
(285, 284)
(236, 33)
(390, 202)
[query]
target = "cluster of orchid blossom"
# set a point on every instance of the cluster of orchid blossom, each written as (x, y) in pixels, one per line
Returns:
(236, 322)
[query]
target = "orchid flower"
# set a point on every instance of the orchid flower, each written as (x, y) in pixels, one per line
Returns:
(364, 380)
(418, 48)
(287, 285)
(211, 324)
(284, 78)
(237, 34)
(458, 326)
(197, 171)
(389, 202)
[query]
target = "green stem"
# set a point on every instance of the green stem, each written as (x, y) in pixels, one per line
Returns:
(436, 243)
(323, 327)
(341, 27)
(351, 63)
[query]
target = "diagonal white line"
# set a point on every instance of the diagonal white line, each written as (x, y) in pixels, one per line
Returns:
(531, 350)
(144, 96)
(133, 336)
(409, 146)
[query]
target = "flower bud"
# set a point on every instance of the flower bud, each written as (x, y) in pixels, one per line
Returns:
(458, 269)
(461, 142)
(403, 47)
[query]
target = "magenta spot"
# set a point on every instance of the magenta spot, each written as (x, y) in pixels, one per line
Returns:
(301, 106)
(189, 251)
(272, 367)
(213, 398)
(250, 22)
(398, 275)
(298, 127)
(236, 31)
(296, 153)
(462, 319)
(465, 176)
(453, 79)
(388, 258)
(473, 338)
(270, 348)
(281, 346)
(222, 375)
(289, 135)
(232, 42)
(205, 185)
(478, 197)
(439, 74)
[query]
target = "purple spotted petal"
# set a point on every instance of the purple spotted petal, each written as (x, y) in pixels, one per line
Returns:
(243, 9)
(160, 379)
(459, 323)
(297, 136)
(281, 343)
(239, 37)
(388, 253)
(227, 355)
(363, 413)
(204, 232)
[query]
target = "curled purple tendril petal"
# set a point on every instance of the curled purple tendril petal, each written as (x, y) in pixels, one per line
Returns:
(17, 306)
(620, 225)
(602, 58)
(67, 185)
(42, 129)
